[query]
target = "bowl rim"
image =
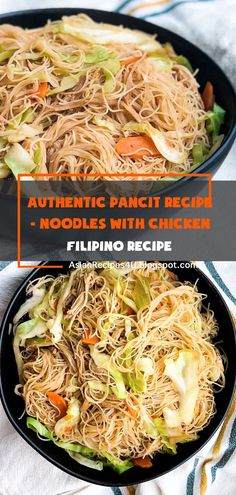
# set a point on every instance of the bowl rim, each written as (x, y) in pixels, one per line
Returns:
(229, 137)
(53, 460)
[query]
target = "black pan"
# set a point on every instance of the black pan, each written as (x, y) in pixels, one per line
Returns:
(208, 69)
(163, 463)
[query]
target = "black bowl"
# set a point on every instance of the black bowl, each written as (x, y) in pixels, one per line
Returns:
(208, 69)
(163, 463)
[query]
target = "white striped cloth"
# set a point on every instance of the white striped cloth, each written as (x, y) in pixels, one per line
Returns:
(212, 472)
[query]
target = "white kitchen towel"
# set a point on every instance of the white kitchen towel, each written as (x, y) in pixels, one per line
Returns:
(211, 472)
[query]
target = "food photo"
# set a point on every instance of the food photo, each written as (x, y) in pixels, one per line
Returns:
(99, 92)
(117, 377)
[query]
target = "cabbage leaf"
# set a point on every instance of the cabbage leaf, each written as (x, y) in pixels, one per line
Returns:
(30, 303)
(67, 82)
(26, 330)
(84, 461)
(117, 464)
(215, 119)
(19, 160)
(183, 372)
(71, 418)
(104, 34)
(161, 142)
(103, 360)
(141, 292)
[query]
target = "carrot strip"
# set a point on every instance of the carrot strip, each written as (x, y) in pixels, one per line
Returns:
(136, 146)
(208, 96)
(88, 339)
(143, 462)
(135, 400)
(42, 90)
(130, 60)
(59, 402)
(132, 411)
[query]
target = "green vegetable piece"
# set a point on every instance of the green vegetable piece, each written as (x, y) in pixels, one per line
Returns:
(19, 160)
(107, 33)
(5, 55)
(109, 69)
(37, 427)
(84, 461)
(141, 292)
(199, 154)
(67, 82)
(38, 156)
(27, 329)
(4, 171)
(98, 54)
(103, 360)
(71, 418)
(161, 142)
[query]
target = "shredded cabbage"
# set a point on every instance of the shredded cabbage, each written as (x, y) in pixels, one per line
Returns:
(85, 452)
(172, 435)
(165, 435)
(199, 153)
(180, 59)
(141, 292)
(70, 419)
(37, 427)
(42, 308)
(97, 386)
(56, 327)
(67, 82)
(107, 33)
(111, 274)
(27, 116)
(137, 382)
(26, 330)
(99, 54)
(21, 133)
(116, 463)
(217, 143)
(110, 69)
(103, 360)
(129, 302)
(161, 63)
(38, 155)
(106, 123)
(160, 141)
(29, 304)
(19, 160)
(149, 425)
(84, 461)
(145, 364)
(5, 55)
(4, 170)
